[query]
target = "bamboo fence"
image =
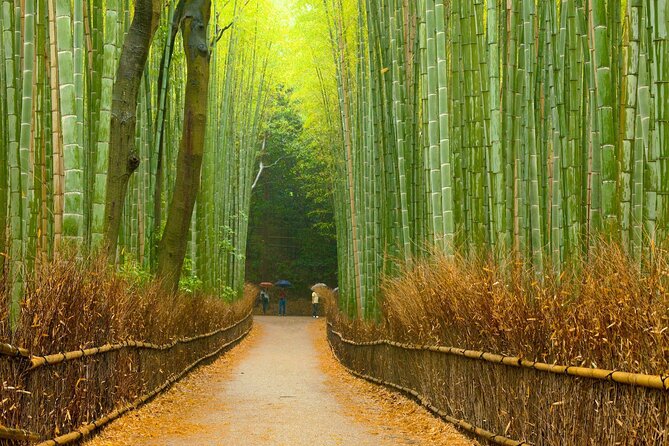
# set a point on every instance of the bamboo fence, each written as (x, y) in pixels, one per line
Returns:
(660, 382)
(28, 365)
(626, 408)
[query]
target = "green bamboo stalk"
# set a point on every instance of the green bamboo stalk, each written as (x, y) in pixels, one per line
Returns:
(555, 91)
(499, 231)
(605, 99)
(27, 130)
(4, 147)
(659, 17)
(535, 212)
(433, 124)
(80, 162)
(447, 204)
(110, 51)
(72, 149)
(396, 49)
(16, 245)
(631, 219)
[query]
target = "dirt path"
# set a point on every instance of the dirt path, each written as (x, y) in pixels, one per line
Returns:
(281, 386)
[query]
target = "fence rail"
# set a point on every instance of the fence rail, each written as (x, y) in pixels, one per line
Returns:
(17, 434)
(490, 436)
(425, 402)
(659, 382)
(38, 361)
(10, 350)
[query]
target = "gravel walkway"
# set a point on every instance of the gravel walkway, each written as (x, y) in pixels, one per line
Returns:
(280, 387)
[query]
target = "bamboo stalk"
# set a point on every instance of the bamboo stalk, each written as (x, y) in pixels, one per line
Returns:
(17, 434)
(10, 350)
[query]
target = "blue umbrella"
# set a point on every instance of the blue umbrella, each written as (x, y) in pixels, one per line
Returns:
(283, 284)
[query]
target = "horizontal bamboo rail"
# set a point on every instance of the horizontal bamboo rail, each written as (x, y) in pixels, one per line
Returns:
(86, 429)
(492, 437)
(10, 350)
(8, 433)
(633, 379)
(47, 360)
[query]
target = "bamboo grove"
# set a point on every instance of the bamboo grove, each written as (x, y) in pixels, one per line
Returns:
(498, 127)
(60, 61)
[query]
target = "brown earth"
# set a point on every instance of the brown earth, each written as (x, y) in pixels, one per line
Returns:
(280, 386)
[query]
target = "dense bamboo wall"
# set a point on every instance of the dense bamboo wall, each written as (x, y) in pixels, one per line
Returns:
(498, 126)
(60, 60)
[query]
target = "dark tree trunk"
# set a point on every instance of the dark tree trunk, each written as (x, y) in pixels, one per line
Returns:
(123, 157)
(172, 247)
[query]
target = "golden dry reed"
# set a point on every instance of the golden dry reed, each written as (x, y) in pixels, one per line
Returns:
(607, 314)
(72, 305)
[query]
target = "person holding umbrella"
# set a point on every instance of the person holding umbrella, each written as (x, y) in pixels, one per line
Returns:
(282, 284)
(314, 304)
(264, 295)
(314, 299)
(282, 302)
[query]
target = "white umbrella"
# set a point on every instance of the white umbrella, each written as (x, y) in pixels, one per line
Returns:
(318, 285)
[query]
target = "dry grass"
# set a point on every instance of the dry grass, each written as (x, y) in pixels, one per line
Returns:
(71, 305)
(607, 313)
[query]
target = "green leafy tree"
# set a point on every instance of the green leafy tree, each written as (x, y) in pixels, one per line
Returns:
(292, 232)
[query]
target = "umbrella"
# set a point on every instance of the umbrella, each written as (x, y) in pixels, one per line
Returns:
(318, 285)
(283, 284)
(266, 284)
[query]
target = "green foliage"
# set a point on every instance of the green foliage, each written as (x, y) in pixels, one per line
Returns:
(189, 281)
(292, 233)
(133, 272)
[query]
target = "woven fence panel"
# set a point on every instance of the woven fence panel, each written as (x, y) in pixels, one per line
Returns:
(518, 403)
(56, 399)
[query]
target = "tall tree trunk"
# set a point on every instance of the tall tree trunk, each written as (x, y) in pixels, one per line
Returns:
(172, 247)
(123, 157)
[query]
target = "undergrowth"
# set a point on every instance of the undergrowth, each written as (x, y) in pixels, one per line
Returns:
(75, 304)
(606, 312)
(70, 305)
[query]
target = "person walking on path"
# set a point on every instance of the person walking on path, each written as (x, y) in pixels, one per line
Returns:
(314, 304)
(264, 297)
(282, 303)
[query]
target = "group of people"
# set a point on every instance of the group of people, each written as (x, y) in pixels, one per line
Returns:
(264, 300)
